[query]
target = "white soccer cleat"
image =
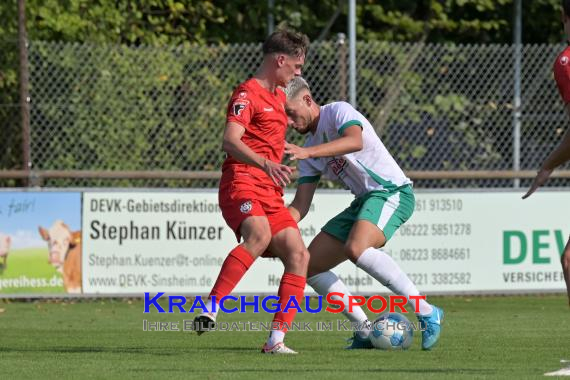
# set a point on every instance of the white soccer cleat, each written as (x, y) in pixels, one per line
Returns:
(279, 348)
(561, 372)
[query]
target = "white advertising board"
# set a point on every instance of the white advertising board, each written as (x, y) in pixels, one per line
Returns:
(172, 242)
(135, 242)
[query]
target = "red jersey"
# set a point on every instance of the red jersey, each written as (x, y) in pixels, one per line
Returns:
(263, 116)
(562, 74)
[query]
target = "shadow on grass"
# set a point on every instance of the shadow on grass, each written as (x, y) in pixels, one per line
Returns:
(90, 350)
(126, 350)
(443, 371)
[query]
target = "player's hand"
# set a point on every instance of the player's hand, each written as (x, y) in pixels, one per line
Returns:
(540, 179)
(296, 152)
(279, 174)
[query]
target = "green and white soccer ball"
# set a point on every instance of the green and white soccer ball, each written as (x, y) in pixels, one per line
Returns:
(392, 331)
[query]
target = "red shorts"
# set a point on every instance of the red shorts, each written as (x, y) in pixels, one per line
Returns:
(240, 201)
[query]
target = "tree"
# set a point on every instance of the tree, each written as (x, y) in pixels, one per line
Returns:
(191, 23)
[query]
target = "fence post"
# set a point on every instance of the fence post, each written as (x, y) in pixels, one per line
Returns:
(517, 36)
(24, 89)
(341, 48)
(270, 17)
(352, 52)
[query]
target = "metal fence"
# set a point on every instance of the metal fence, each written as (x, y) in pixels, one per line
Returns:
(10, 127)
(436, 107)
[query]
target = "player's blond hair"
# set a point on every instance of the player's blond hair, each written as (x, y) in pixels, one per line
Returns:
(294, 87)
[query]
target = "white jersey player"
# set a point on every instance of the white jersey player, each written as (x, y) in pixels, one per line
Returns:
(368, 169)
(341, 144)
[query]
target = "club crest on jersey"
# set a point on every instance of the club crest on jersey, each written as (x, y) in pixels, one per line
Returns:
(564, 60)
(337, 165)
(245, 207)
(239, 106)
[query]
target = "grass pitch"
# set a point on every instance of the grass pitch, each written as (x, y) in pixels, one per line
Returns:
(33, 264)
(483, 337)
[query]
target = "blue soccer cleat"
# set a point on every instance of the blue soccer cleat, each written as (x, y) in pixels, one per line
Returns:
(431, 326)
(359, 343)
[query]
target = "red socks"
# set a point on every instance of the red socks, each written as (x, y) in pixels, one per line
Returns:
(291, 285)
(234, 267)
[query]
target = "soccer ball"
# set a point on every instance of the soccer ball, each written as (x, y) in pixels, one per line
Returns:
(392, 331)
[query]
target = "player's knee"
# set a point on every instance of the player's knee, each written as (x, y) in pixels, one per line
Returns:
(301, 256)
(304, 257)
(298, 258)
(353, 250)
(258, 242)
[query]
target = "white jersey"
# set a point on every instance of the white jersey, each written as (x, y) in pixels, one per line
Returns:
(371, 168)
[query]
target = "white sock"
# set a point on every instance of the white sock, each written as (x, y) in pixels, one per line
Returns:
(383, 268)
(209, 305)
(275, 336)
(328, 282)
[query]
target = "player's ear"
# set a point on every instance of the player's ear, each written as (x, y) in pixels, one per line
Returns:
(308, 100)
(280, 58)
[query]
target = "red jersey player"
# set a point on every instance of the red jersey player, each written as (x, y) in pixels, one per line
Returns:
(562, 153)
(251, 187)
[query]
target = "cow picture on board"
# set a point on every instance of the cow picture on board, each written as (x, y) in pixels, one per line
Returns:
(5, 243)
(64, 253)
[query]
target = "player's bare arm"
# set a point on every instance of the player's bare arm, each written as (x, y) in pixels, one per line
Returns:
(351, 141)
(559, 156)
(302, 201)
(562, 153)
(232, 145)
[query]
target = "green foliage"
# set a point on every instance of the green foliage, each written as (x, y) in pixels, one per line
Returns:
(10, 136)
(131, 108)
(98, 109)
(151, 22)
(431, 107)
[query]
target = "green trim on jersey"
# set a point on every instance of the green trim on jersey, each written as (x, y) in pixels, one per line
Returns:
(390, 186)
(308, 179)
(349, 123)
(387, 210)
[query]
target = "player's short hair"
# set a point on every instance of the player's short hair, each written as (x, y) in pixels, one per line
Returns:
(294, 87)
(286, 41)
(566, 7)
